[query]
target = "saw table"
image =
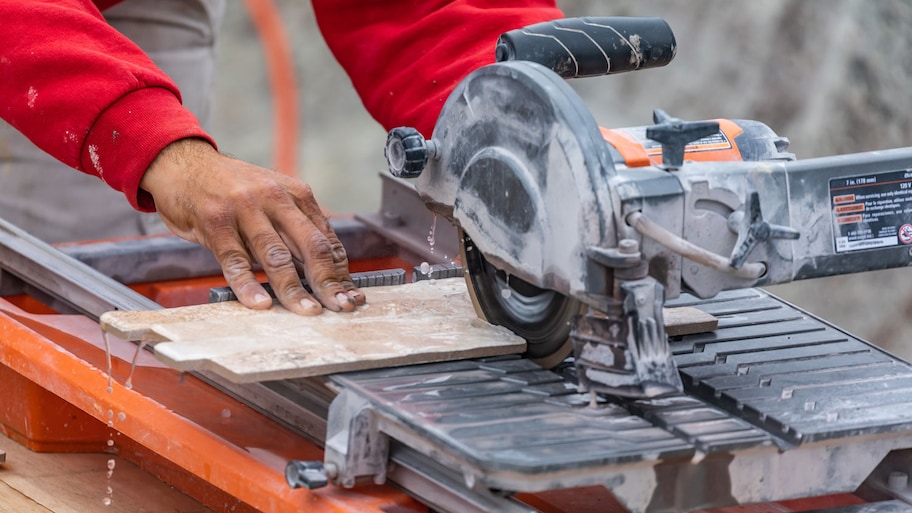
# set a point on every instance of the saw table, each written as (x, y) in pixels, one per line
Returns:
(778, 406)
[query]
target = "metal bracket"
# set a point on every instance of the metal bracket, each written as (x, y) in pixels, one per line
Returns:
(355, 446)
(625, 351)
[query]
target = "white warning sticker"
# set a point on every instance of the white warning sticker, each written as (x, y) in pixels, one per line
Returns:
(872, 211)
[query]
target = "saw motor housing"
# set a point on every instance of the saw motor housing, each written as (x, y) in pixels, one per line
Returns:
(618, 220)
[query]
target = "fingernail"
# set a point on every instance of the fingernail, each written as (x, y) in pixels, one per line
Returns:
(309, 304)
(261, 298)
(343, 299)
(354, 294)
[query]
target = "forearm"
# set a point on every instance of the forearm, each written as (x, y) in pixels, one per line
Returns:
(405, 57)
(85, 94)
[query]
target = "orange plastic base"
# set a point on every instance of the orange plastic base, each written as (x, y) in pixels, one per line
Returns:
(43, 422)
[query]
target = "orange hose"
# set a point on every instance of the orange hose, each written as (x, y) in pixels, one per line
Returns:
(283, 85)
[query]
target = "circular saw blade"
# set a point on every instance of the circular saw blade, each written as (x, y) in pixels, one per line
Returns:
(541, 316)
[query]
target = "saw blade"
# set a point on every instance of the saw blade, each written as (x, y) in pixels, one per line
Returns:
(541, 316)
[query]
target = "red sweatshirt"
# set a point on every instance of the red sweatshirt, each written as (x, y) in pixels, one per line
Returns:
(92, 99)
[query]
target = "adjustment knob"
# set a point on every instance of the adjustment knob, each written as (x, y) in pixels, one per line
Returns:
(674, 135)
(308, 474)
(755, 229)
(407, 152)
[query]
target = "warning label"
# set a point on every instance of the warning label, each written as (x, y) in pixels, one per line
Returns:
(872, 211)
(716, 141)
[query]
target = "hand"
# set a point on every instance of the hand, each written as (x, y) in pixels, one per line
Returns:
(245, 214)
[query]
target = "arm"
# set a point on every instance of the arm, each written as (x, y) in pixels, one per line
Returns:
(405, 57)
(85, 94)
(89, 97)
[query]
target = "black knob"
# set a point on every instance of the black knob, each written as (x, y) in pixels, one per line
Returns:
(674, 135)
(755, 229)
(406, 152)
(306, 474)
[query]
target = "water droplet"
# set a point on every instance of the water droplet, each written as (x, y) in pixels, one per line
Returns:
(110, 490)
(111, 464)
(107, 344)
(106, 501)
(506, 292)
(432, 234)
(226, 413)
(110, 414)
(121, 416)
(110, 423)
(139, 348)
(110, 443)
(425, 268)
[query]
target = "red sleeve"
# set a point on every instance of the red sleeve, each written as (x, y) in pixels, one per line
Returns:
(404, 57)
(87, 95)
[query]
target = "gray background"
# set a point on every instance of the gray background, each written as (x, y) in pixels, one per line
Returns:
(831, 75)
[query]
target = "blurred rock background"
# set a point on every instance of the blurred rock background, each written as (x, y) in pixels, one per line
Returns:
(832, 75)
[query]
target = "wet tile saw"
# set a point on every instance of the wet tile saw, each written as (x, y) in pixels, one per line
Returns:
(575, 233)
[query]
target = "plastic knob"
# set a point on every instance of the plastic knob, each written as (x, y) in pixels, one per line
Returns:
(674, 135)
(306, 474)
(756, 230)
(406, 152)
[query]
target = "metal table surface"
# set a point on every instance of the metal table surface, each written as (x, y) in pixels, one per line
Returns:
(777, 404)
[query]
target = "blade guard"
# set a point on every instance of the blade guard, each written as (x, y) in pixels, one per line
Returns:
(522, 167)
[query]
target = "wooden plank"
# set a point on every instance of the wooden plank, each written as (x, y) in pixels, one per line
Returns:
(13, 501)
(32, 482)
(401, 325)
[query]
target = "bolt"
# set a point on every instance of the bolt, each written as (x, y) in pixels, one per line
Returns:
(331, 470)
(897, 481)
(391, 219)
(628, 246)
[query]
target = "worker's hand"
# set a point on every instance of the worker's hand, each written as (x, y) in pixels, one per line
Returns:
(245, 214)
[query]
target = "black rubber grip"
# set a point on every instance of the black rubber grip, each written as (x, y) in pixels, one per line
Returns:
(591, 46)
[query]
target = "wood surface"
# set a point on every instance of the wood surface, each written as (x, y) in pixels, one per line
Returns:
(421, 322)
(32, 482)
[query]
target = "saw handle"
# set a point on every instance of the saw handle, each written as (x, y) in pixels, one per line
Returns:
(591, 46)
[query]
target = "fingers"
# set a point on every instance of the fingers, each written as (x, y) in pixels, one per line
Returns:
(340, 275)
(237, 269)
(283, 238)
(318, 258)
(246, 215)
